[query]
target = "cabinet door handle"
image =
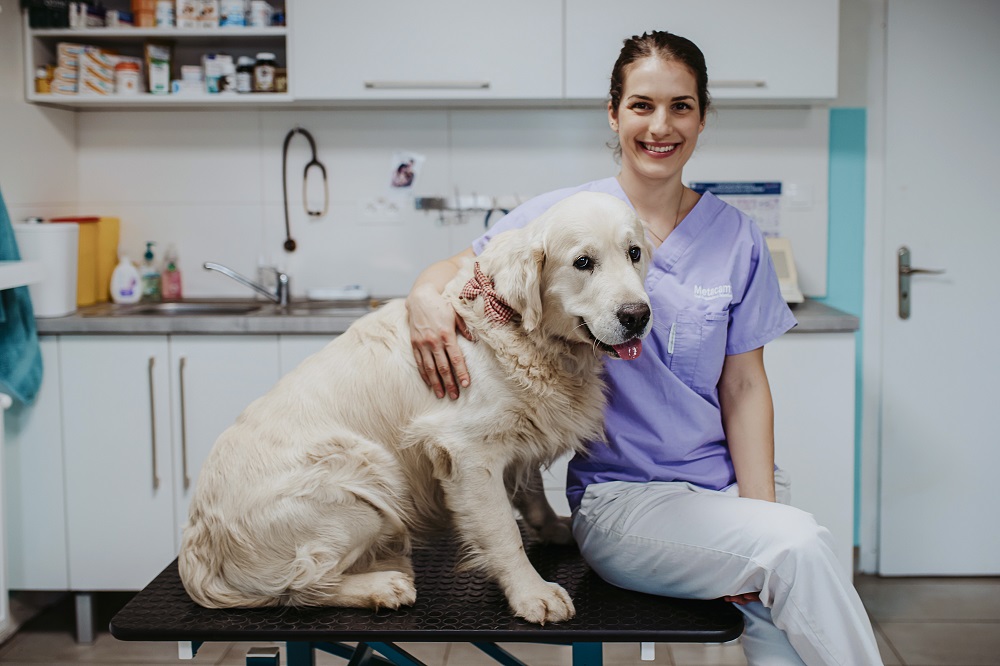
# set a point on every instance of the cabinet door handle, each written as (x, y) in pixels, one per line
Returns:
(737, 83)
(184, 439)
(427, 85)
(152, 422)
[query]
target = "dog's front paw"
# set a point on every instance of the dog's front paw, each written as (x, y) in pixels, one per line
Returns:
(545, 603)
(392, 589)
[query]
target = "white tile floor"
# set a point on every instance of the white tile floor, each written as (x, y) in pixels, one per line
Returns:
(919, 622)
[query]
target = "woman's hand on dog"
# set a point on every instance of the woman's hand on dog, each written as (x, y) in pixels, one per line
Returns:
(433, 325)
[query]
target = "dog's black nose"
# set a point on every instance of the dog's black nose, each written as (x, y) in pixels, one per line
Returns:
(634, 317)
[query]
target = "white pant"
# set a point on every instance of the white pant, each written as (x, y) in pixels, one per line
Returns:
(679, 540)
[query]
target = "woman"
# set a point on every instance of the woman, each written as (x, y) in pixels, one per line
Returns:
(682, 499)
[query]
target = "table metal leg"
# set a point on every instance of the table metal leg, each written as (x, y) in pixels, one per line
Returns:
(84, 617)
(588, 654)
(300, 653)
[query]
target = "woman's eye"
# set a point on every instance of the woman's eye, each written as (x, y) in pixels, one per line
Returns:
(634, 253)
(583, 264)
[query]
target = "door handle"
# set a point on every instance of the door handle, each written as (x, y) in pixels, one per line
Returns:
(904, 271)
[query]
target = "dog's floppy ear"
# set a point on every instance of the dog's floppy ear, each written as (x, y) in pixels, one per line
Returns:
(514, 261)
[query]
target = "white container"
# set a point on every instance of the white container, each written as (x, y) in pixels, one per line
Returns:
(55, 247)
(126, 284)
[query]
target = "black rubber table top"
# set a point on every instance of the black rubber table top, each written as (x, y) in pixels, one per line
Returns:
(452, 606)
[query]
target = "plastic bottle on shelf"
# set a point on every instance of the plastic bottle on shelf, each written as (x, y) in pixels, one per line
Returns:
(171, 276)
(150, 275)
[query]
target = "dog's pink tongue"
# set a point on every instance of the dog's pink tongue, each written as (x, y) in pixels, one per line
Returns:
(629, 351)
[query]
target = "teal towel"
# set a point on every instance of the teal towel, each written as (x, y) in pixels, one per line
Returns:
(20, 355)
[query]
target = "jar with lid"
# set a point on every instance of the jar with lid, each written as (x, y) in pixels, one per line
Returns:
(244, 74)
(263, 72)
(127, 78)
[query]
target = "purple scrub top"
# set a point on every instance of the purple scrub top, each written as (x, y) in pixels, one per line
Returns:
(714, 292)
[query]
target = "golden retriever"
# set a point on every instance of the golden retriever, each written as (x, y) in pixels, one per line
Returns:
(314, 496)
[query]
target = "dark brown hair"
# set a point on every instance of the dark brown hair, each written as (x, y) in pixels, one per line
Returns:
(669, 47)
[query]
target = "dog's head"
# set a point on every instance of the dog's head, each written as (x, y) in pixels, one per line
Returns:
(577, 272)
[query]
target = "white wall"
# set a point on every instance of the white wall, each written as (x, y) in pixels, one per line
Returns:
(37, 145)
(210, 181)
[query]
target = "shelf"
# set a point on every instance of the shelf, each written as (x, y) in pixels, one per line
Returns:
(149, 101)
(127, 34)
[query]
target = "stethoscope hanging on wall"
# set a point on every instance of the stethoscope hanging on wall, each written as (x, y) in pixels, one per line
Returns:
(314, 162)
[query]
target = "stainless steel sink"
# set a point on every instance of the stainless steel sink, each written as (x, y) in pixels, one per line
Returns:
(231, 308)
(321, 308)
(177, 309)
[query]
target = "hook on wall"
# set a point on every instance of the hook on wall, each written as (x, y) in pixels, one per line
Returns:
(290, 244)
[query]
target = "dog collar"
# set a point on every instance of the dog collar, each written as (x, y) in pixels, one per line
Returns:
(497, 309)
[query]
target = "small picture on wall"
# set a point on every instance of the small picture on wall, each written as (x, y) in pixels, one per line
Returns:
(405, 168)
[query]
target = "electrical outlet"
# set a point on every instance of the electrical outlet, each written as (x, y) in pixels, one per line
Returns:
(380, 210)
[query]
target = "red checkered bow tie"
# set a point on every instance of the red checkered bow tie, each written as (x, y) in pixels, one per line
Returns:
(496, 307)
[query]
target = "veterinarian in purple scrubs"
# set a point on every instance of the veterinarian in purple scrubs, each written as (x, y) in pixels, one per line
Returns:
(682, 499)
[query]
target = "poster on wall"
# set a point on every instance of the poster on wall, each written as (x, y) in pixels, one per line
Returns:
(760, 200)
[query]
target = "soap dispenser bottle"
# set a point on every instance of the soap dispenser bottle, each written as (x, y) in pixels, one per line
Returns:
(171, 276)
(125, 282)
(150, 276)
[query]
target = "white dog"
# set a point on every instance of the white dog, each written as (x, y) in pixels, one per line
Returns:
(313, 496)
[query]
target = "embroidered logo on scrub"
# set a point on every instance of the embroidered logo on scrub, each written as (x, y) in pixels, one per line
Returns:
(712, 293)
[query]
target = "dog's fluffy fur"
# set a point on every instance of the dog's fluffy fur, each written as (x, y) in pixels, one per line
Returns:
(314, 495)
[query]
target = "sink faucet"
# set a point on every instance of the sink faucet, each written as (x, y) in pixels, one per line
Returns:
(280, 295)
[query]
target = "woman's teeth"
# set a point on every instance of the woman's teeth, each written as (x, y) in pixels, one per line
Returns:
(658, 149)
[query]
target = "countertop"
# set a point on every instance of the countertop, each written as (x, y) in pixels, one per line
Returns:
(813, 317)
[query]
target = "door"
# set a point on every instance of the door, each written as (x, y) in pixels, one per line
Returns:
(939, 438)
(214, 378)
(119, 478)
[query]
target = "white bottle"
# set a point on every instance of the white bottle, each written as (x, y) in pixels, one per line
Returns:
(126, 287)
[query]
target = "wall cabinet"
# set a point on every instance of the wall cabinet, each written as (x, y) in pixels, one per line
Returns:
(449, 51)
(774, 50)
(438, 50)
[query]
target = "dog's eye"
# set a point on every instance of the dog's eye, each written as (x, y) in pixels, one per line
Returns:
(635, 253)
(584, 263)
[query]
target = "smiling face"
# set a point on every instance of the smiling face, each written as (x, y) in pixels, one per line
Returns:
(658, 119)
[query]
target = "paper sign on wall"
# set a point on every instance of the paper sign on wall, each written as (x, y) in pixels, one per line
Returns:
(761, 201)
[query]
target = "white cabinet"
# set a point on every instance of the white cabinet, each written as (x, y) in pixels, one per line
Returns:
(812, 385)
(773, 50)
(437, 50)
(140, 413)
(5, 402)
(293, 349)
(34, 494)
(119, 477)
(214, 378)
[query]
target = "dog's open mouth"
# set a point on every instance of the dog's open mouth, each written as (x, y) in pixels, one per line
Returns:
(627, 351)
